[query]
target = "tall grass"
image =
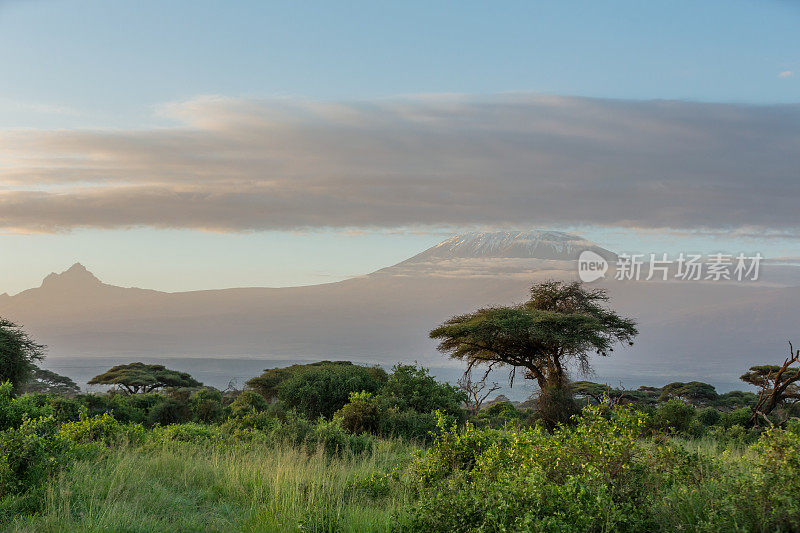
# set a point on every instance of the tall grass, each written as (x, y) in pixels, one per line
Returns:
(219, 487)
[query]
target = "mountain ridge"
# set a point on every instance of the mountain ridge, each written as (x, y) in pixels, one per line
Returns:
(544, 245)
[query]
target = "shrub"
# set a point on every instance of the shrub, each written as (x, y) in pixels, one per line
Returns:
(778, 482)
(101, 429)
(410, 424)
(366, 413)
(322, 390)
(502, 414)
(268, 384)
(265, 421)
(169, 411)
(123, 408)
(206, 405)
(336, 441)
(361, 415)
(30, 454)
(13, 410)
(708, 416)
(412, 387)
(739, 417)
(673, 416)
(67, 409)
(247, 402)
(582, 478)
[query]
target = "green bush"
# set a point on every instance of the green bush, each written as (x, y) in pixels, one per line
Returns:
(206, 405)
(604, 475)
(739, 417)
(322, 390)
(67, 409)
(14, 409)
(169, 411)
(362, 414)
(247, 402)
(367, 413)
(580, 478)
(30, 454)
(673, 416)
(124, 408)
(708, 416)
(102, 429)
(334, 440)
(265, 421)
(410, 424)
(411, 387)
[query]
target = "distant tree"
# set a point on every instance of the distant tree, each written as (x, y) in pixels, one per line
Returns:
(603, 394)
(736, 399)
(778, 384)
(140, 377)
(561, 323)
(18, 355)
(49, 382)
(693, 392)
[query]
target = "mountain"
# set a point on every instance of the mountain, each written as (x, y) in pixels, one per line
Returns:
(501, 253)
(75, 277)
(689, 330)
(537, 244)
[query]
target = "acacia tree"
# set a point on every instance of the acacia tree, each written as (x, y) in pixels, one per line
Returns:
(778, 384)
(601, 393)
(694, 392)
(49, 382)
(18, 354)
(561, 324)
(140, 377)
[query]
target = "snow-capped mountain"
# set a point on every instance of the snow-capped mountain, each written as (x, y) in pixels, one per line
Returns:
(529, 254)
(536, 244)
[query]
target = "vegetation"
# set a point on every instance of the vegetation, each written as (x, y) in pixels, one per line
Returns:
(336, 446)
(139, 377)
(49, 382)
(778, 384)
(561, 324)
(18, 354)
(317, 389)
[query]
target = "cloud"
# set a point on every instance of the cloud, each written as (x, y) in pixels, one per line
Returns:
(786, 74)
(240, 165)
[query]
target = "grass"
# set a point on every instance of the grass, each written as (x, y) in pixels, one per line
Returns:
(604, 473)
(216, 487)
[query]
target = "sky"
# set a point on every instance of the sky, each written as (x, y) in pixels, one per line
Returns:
(188, 145)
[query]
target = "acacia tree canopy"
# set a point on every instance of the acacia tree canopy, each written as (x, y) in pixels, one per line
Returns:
(141, 377)
(562, 323)
(764, 376)
(18, 354)
(694, 392)
(778, 384)
(49, 382)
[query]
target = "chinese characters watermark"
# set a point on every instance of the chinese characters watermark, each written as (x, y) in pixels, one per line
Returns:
(660, 267)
